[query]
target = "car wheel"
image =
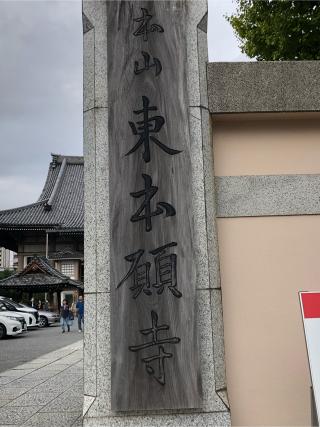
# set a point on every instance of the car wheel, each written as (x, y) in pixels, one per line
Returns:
(43, 322)
(3, 331)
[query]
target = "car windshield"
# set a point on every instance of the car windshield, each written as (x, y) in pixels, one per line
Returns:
(13, 303)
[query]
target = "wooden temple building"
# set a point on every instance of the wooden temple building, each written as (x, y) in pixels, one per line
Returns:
(50, 228)
(37, 278)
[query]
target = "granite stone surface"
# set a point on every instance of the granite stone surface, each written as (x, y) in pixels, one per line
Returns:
(69, 401)
(11, 393)
(5, 380)
(4, 402)
(88, 70)
(89, 148)
(196, 11)
(211, 401)
(218, 341)
(101, 406)
(86, 24)
(32, 399)
(55, 419)
(198, 202)
(16, 416)
(95, 11)
(90, 339)
(25, 401)
(203, 60)
(100, 57)
(267, 195)
(176, 420)
(210, 201)
(263, 86)
(102, 201)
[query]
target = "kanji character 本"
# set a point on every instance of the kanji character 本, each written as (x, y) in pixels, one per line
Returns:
(155, 341)
(145, 128)
(144, 28)
(165, 272)
(148, 192)
(147, 64)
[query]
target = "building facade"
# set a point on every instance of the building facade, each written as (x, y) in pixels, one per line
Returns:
(40, 278)
(266, 144)
(53, 226)
(5, 259)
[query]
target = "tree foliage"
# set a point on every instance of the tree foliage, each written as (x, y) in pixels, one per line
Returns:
(278, 29)
(6, 273)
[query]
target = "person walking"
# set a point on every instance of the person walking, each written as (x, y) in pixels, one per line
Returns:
(80, 312)
(65, 316)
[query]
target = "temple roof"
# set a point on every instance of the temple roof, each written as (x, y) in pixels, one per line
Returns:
(61, 203)
(39, 275)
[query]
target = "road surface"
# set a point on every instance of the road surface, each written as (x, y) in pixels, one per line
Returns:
(23, 348)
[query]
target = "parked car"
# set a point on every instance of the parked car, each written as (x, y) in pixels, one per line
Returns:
(47, 318)
(12, 305)
(9, 325)
(13, 315)
(9, 310)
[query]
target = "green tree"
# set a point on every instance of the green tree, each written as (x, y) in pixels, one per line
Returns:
(6, 273)
(274, 30)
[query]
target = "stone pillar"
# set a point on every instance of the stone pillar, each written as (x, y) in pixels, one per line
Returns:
(97, 366)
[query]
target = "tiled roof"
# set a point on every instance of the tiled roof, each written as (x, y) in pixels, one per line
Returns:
(61, 203)
(66, 254)
(41, 275)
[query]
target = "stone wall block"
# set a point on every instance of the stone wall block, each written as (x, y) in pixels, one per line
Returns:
(199, 217)
(203, 60)
(90, 202)
(90, 345)
(213, 419)
(102, 405)
(218, 339)
(208, 167)
(196, 10)
(211, 401)
(101, 78)
(102, 201)
(88, 70)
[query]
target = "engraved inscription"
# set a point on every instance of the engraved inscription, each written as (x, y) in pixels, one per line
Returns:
(155, 341)
(148, 192)
(145, 27)
(145, 128)
(147, 64)
(165, 265)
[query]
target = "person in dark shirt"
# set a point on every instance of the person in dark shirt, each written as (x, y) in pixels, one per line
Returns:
(65, 316)
(80, 312)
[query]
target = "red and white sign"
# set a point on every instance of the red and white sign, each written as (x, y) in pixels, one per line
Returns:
(310, 306)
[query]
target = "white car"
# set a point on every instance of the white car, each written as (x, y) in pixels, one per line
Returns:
(12, 305)
(8, 309)
(46, 318)
(10, 325)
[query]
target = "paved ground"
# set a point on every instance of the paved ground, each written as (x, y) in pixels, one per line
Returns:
(23, 348)
(48, 391)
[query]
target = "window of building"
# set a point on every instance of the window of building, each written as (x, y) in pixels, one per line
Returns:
(27, 259)
(67, 268)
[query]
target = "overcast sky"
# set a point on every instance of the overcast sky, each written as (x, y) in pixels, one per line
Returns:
(41, 87)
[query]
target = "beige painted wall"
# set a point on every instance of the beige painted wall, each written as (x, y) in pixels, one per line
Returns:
(264, 263)
(267, 144)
